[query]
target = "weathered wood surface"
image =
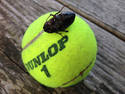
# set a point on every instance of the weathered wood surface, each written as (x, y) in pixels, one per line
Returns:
(13, 80)
(111, 12)
(107, 76)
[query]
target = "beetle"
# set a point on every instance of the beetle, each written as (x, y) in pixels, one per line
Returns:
(59, 22)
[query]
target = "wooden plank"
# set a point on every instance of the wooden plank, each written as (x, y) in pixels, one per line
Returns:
(107, 76)
(110, 63)
(14, 80)
(9, 49)
(111, 12)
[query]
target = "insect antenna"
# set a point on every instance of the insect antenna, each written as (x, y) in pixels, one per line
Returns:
(59, 10)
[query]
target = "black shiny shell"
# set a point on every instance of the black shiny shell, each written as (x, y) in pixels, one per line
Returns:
(59, 22)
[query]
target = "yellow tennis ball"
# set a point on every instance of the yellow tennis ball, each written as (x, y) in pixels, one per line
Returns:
(59, 61)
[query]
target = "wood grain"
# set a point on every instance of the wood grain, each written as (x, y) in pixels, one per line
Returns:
(108, 74)
(14, 80)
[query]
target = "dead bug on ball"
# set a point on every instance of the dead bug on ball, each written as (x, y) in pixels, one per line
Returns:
(59, 22)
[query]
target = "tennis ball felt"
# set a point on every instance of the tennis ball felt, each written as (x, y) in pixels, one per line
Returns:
(59, 61)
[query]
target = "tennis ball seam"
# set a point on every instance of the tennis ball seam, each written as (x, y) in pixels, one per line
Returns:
(34, 39)
(80, 74)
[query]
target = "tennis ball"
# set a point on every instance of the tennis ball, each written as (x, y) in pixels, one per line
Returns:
(59, 61)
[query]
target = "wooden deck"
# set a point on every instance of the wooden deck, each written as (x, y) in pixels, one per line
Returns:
(108, 74)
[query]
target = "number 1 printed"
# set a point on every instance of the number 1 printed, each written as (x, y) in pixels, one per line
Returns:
(44, 68)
